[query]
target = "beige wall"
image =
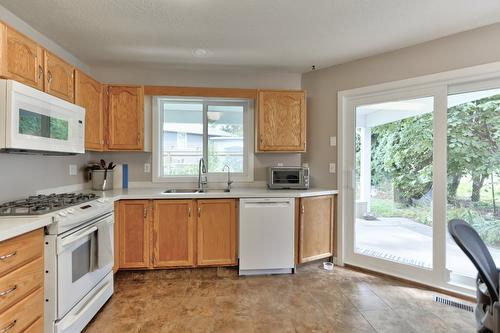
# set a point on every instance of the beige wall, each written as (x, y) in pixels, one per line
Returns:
(465, 49)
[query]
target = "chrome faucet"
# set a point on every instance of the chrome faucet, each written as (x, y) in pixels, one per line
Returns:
(229, 181)
(202, 175)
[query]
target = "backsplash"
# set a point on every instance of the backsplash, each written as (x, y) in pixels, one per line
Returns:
(22, 175)
(136, 160)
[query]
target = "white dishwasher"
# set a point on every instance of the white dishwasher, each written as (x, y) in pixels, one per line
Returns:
(266, 236)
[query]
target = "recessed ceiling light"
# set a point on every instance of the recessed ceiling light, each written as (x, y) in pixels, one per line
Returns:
(201, 53)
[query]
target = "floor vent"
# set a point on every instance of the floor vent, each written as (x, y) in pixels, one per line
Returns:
(456, 304)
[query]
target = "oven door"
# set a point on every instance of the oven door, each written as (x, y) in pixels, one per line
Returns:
(79, 262)
(38, 121)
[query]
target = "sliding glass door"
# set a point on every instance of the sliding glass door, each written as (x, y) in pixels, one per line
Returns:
(412, 160)
(473, 171)
(397, 182)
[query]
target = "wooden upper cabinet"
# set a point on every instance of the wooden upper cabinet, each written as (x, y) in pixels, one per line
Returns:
(281, 121)
(21, 58)
(125, 117)
(174, 233)
(316, 228)
(88, 94)
(134, 220)
(216, 232)
(59, 77)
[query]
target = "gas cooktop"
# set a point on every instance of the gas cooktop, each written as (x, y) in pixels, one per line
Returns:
(42, 204)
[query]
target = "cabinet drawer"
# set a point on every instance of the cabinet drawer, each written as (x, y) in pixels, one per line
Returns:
(20, 250)
(23, 314)
(19, 283)
(36, 327)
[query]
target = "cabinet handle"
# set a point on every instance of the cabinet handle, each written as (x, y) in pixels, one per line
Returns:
(9, 327)
(199, 211)
(40, 71)
(302, 210)
(145, 212)
(189, 212)
(49, 76)
(8, 291)
(7, 256)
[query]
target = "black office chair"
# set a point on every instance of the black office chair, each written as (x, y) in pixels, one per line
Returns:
(487, 310)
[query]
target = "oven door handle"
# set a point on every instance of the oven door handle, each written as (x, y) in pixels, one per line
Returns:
(71, 239)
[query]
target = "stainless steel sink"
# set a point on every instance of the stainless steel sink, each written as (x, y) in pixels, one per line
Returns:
(192, 190)
(181, 190)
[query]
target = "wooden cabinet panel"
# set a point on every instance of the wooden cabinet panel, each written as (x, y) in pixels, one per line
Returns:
(125, 117)
(36, 327)
(23, 314)
(19, 283)
(59, 77)
(216, 232)
(88, 94)
(281, 121)
(17, 251)
(22, 58)
(316, 238)
(134, 229)
(174, 226)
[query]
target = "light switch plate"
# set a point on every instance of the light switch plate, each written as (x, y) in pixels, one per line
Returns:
(147, 168)
(333, 141)
(72, 170)
(332, 168)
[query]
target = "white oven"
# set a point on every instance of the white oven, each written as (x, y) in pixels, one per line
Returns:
(31, 120)
(78, 274)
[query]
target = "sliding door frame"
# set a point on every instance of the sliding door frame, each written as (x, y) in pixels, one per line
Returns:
(436, 85)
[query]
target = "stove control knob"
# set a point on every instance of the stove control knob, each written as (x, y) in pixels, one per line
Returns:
(70, 210)
(62, 213)
(101, 200)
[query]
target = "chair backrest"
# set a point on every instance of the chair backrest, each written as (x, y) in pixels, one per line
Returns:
(469, 241)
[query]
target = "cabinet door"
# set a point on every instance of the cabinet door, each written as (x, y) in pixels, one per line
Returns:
(316, 237)
(59, 77)
(134, 234)
(126, 118)
(174, 227)
(22, 58)
(216, 232)
(88, 94)
(281, 121)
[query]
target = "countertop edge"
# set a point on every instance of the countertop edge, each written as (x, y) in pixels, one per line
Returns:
(16, 226)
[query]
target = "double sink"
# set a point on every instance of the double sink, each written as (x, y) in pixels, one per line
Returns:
(192, 190)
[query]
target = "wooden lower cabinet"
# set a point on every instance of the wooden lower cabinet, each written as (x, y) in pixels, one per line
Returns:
(22, 283)
(173, 233)
(316, 228)
(134, 227)
(179, 233)
(216, 232)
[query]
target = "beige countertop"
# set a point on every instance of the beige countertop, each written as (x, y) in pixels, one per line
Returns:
(157, 193)
(13, 226)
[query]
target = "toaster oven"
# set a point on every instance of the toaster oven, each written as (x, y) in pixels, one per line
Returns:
(288, 178)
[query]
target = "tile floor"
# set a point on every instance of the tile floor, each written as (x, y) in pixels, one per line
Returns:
(313, 300)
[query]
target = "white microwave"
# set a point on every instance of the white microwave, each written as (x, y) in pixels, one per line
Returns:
(34, 121)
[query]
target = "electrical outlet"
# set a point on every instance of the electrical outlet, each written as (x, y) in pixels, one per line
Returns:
(72, 170)
(332, 167)
(147, 168)
(333, 141)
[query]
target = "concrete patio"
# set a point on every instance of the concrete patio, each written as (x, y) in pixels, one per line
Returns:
(405, 241)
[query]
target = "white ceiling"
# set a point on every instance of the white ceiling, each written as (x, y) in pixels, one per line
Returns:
(282, 35)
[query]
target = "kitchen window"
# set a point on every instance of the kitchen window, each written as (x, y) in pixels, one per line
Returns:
(189, 129)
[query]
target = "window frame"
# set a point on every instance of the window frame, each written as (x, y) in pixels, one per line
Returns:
(248, 139)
